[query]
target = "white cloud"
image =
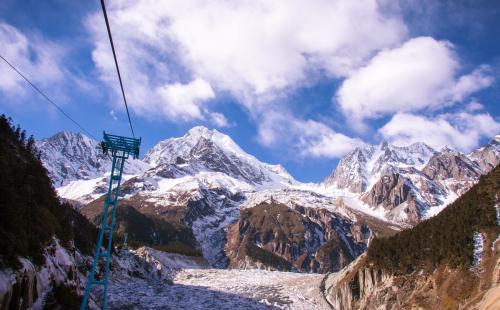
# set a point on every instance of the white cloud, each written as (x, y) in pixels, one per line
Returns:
(219, 119)
(35, 57)
(459, 130)
(474, 106)
(257, 47)
(184, 100)
(420, 74)
(254, 50)
(308, 138)
(318, 140)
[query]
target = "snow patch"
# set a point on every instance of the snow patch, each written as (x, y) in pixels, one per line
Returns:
(478, 252)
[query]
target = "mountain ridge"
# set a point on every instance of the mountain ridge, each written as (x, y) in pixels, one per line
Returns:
(204, 181)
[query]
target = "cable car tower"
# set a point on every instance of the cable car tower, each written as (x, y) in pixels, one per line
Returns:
(120, 149)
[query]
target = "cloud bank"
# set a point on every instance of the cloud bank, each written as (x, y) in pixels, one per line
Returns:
(36, 57)
(458, 130)
(420, 74)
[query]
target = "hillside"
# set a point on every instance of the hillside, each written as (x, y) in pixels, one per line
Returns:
(146, 230)
(446, 238)
(41, 239)
(30, 211)
(450, 261)
(275, 237)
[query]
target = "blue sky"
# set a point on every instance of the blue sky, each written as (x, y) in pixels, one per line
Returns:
(299, 83)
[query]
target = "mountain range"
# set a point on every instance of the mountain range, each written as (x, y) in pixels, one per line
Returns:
(244, 213)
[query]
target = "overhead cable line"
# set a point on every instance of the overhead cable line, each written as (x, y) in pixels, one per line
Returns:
(46, 97)
(116, 63)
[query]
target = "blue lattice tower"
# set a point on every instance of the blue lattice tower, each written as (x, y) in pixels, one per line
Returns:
(120, 148)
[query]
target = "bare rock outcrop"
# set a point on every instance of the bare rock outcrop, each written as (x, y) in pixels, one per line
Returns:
(362, 286)
(274, 236)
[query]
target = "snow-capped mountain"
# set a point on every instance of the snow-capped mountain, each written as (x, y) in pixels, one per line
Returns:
(360, 169)
(71, 156)
(202, 149)
(410, 183)
(203, 180)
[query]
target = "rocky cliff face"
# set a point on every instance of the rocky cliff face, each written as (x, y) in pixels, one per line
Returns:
(397, 195)
(275, 237)
(453, 171)
(350, 288)
(362, 286)
(487, 157)
(31, 287)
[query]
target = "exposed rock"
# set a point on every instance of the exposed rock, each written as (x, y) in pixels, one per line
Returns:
(27, 287)
(275, 237)
(397, 195)
(453, 170)
(487, 157)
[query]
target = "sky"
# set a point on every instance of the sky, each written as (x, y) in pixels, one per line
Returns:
(300, 83)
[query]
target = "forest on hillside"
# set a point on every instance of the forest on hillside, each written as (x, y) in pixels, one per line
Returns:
(30, 211)
(446, 238)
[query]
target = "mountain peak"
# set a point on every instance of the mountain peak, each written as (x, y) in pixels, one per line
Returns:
(223, 141)
(201, 131)
(203, 149)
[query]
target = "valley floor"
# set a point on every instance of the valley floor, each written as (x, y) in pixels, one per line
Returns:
(221, 289)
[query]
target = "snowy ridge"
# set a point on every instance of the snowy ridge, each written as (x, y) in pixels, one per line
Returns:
(71, 156)
(365, 165)
(202, 149)
(208, 159)
(410, 183)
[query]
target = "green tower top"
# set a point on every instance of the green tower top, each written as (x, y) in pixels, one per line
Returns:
(114, 143)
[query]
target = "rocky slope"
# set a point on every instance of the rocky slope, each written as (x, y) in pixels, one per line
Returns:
(57, 282)
(273, 236)
(487, 156)
(363, 286)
